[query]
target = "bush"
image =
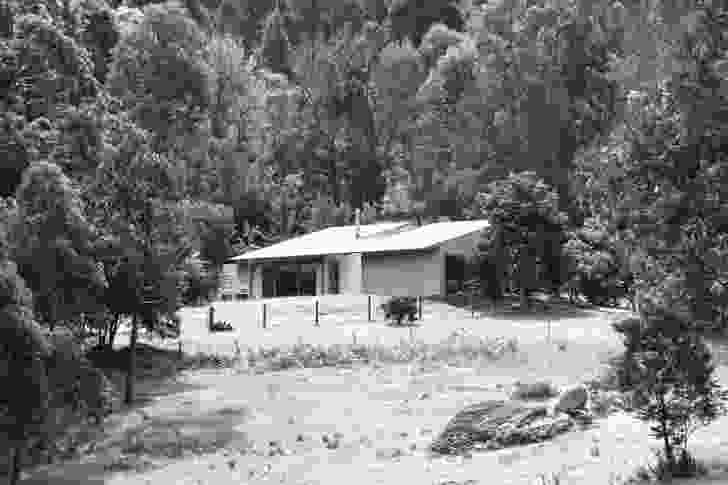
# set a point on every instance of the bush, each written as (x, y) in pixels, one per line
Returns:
(199, 286)
(599, 269)
(398, 308)
(668, 370)
(221, 326)
(686, 466)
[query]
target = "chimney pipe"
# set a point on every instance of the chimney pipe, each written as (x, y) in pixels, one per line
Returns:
(357, 222)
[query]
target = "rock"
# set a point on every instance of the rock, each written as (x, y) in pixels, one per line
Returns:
(389, 453)
(533, 390)
(300, 438)
(497, 424)
(423, 396)
(572, 399)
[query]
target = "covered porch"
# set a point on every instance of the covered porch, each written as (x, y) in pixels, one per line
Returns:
(311, 276)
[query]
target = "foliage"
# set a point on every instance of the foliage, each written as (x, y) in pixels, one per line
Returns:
(135, 196)
(526, 232)
(600, 268)
(216, 242)
(160, 72)
(412, 18)
(399, 308)
(23, 350)
(53, 246)
(667, 367)
(274, 44)
(199, 285)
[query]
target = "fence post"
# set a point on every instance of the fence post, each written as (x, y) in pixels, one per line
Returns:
(179, 350)
(419, 309)
(548, 330)
(264, 315)
(316, 312)
(369, 307)
(211, 318)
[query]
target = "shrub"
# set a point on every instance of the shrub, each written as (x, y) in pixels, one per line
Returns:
(668, 370)
(398, 308)
(221, 326)
(686, 466)
(199, 286)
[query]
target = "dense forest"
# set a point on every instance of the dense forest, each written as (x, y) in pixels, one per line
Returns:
(592, 133)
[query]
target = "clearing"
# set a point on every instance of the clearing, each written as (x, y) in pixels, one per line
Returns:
(231, 426)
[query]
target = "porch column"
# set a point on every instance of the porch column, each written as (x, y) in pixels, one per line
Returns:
(251, 271)
(257, 285)
(321, 280)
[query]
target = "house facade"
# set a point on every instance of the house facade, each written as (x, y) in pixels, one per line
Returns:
(388, 259)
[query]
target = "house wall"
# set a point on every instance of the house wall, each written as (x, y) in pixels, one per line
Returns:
(350, 273)
(399, 274)
(462, 246)
(405, 274)
(465, 246)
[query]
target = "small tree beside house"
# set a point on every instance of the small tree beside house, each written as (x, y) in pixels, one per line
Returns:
(525, 240)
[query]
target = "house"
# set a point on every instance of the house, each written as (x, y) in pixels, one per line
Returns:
(389, 259)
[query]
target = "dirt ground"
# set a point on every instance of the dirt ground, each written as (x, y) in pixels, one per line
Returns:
(231, 427)
(344, 318)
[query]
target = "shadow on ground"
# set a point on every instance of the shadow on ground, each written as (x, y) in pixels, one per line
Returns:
(510, 308)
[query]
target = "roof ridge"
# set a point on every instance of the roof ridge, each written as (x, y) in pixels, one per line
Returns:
(397, 229)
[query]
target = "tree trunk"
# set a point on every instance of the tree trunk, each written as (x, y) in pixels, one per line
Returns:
(669, 455)
(284, 214)
(131, 370)
(17, 463)
(113, 329)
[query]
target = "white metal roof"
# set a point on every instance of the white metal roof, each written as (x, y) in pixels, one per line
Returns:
(382, 237)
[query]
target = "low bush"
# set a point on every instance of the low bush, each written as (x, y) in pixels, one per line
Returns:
(221, 326)
(399, 308)
(685, 466)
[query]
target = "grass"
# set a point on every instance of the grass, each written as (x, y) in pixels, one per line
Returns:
(301, 355)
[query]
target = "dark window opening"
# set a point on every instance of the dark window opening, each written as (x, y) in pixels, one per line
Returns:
(455, 273)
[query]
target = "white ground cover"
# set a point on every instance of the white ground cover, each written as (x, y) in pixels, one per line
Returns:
(385, 416)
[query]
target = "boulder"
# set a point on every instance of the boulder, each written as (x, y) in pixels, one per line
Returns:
(572, 399)
(497, 424)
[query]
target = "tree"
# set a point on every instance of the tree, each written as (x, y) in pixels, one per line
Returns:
(669, 370)
(274, 44)
(671, 196)
(160, 72)
(527, 229)
(216, 243)
(22, 366)
(53, 245)
(412, 18)
(137, 203)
